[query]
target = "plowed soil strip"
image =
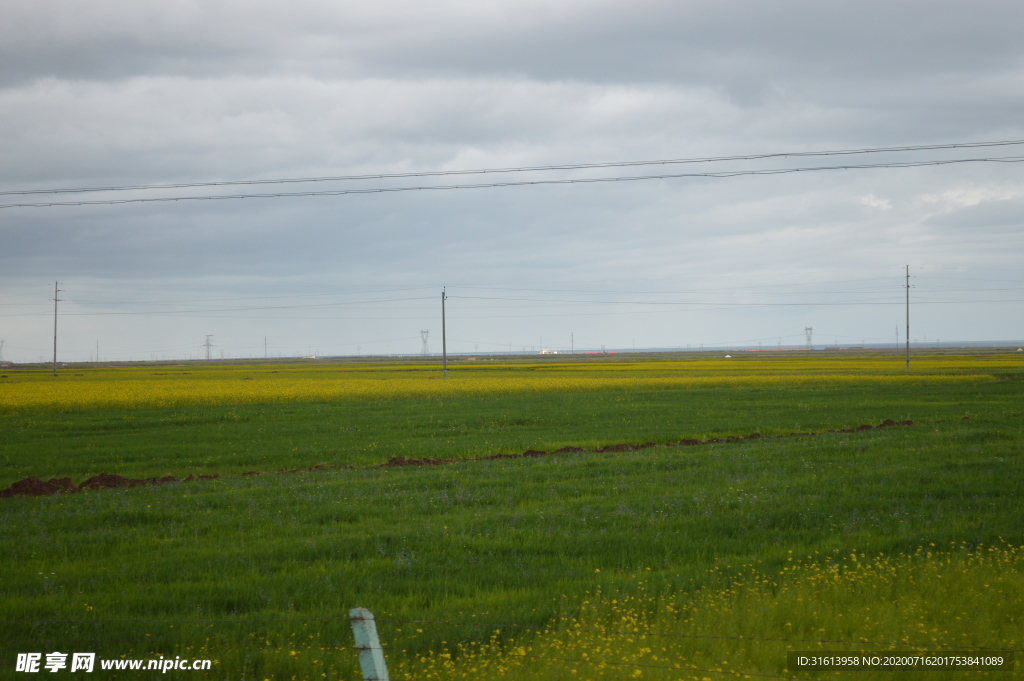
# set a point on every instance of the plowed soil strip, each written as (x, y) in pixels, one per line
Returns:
(34, 487)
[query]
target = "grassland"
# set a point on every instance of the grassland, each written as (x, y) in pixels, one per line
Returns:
(906, 603)
(259, 572)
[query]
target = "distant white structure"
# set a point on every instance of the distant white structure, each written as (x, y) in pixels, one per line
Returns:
(544, 351)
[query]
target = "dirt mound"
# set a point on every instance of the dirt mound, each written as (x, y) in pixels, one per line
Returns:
(311, 469)
(64, 484)
(34, 487)
(400, 461)
(31, 487)
(112, 481)
(108, 481)
(569, 450)
(531, 453)
(889, 422)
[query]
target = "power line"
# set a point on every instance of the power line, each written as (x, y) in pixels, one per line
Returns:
(760, 287)
(233, 309)
(522, 169)
(759, 291)
(207, 300)
(523, 183)
(672, 302)
(662, 308)
(738, 291)
(544, 301)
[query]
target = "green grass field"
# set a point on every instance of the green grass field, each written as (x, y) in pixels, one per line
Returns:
(259, 572)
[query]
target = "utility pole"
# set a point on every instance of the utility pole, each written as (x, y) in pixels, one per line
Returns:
(97, 350)
(572, 344)
(2, 350)
(908, 316)
(264, 347)
(444, 338)
(208, 345)
(55, 299)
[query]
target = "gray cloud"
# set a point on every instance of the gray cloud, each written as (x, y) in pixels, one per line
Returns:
(705, 42)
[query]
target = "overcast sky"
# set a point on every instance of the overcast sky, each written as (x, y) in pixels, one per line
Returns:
(116, 93)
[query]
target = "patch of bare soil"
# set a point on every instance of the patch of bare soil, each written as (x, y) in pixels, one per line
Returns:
(34, 487)
(401, 461)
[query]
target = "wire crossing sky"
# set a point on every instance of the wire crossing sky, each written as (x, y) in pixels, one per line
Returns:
(522, 183)
(580, 166)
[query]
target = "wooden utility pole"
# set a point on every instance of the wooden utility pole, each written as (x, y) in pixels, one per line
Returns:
(444, 339)
(55, 292)
(908, 316)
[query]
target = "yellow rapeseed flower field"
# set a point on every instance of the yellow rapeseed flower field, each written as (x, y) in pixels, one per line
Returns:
(149, 386)
(931, 601)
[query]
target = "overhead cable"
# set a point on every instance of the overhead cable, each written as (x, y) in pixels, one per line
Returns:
(483, 185)
(523, 169)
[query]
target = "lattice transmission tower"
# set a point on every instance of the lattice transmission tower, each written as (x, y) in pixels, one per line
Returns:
(425, 348)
